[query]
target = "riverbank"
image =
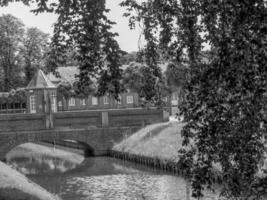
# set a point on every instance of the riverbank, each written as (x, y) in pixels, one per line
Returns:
(157, 146)
(157, 141)
(15, 186)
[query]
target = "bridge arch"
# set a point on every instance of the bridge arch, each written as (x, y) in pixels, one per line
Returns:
(75, 144)
(99, 140)
(17, 139)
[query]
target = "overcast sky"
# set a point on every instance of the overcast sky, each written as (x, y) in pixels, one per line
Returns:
(128, 39)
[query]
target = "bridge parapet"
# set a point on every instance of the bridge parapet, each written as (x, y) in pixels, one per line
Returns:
(82, 119)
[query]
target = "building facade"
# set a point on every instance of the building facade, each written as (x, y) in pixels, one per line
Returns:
(44, 96)
(126, 100)
(41, 94)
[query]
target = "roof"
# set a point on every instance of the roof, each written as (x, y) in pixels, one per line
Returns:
(67, 74)
(162, 66)
(40, 81)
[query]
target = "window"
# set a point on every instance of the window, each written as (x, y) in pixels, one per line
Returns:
(106, 100)
(54, 102)
(94, 101)
(82, 102)
(72, 102)
(32, 104)
(129, 99)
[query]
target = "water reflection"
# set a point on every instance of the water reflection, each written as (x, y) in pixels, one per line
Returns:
(102, 178)
(41, 165)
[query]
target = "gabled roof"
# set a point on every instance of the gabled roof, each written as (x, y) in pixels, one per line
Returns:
(40, 81)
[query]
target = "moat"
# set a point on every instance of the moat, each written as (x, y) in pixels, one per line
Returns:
(102, 178)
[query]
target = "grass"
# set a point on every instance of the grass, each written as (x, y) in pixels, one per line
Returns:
(15, 186)
(160, 141)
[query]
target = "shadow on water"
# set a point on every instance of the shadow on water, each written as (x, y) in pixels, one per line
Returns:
(87, 150)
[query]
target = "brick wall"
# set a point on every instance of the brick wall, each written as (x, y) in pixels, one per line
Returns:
(20, 122)
(135, 117)
(77, 119)
(82, 119)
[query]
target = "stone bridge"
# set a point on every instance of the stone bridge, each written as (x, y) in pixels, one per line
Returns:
(98, 130)
(98, 140)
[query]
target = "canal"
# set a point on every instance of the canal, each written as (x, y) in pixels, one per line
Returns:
(104, 178)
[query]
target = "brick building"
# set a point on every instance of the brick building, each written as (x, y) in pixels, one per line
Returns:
(43, 95)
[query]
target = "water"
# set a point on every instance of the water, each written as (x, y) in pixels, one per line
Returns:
(102, 178)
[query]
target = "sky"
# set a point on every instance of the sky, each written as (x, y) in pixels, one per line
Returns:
(127, 39)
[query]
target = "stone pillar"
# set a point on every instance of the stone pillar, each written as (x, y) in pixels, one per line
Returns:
(105, 120)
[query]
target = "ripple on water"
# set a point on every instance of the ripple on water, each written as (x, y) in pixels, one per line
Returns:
(129, 186)
(104, 179)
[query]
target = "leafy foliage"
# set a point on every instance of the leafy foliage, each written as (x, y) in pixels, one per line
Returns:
(139, 78)
(82, 25)
(33, 51)
(11, 33)
(224, 95)
(128, 58)
(175, 75)
(14, 96)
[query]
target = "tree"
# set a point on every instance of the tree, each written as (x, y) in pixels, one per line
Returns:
(84, 26)
(11, 34)
(175, 79)
(139, 78)
(65, 92)
(128, 58)
(35, 46)
(175, 75)
(224, 96)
